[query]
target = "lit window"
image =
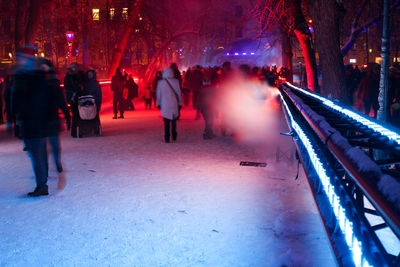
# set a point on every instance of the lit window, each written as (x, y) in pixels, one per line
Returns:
(96, 13)
(353, 60)
(112, 13)
(396, 59)
(378, 60)
(125, 13)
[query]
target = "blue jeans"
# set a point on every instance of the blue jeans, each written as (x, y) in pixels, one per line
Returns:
(38, 153)
(56, 151)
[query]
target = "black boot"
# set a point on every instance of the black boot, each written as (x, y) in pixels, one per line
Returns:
(38, 192)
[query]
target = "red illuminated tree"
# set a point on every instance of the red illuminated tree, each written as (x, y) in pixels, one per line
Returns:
(123, 39)
(288, 15)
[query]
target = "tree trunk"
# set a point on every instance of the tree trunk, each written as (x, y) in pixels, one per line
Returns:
(33, 20)
(326, 15)
(304, 36)
(159, 54)
(287, 55)
(123, 40)
(383, 85)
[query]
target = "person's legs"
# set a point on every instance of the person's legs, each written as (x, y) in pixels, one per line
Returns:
(174, 132)
(115, 104)
(167, 134)
(150, 103)
(55, 147)
(208, 131)
(38, 154)
(75, 120)
(121, 106)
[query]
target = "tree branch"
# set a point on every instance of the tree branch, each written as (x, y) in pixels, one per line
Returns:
(355, 33)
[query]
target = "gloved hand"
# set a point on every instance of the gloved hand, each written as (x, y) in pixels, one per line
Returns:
(159, 107)
(180, 107)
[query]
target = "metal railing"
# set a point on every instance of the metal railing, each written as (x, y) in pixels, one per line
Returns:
(344, 179)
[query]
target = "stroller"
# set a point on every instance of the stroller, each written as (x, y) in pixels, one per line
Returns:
(89, 117)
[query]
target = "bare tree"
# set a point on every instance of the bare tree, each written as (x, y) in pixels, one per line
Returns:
(123, 40)
(327, 33)
(288, 15)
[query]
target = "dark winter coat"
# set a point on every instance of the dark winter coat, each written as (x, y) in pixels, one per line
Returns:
(31, 104)
(196, 80)
(133, 89)
(72, 85)
(117, 84)
(92, 87)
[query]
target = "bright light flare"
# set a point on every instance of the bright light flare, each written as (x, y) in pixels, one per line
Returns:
(249, 109)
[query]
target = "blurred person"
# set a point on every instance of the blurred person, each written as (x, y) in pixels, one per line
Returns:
(368, 90)
(157, 77)
(34, 107)
(148, 94)
(57, 102)
(10, 117)
(73, 84)
(93, 88)
(206, 104)
(2, 85)
(226, 75)
(169, 102)
(185, 88)
(195, 82)
(177, 73)
(117, 86)
(133, 92)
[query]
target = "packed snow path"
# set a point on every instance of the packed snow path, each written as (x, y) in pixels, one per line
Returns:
(132, 200)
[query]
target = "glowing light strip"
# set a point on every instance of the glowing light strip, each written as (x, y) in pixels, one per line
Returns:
(368, 123)
(345, 224)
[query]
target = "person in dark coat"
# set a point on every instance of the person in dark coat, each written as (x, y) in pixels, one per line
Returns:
(154, 86)
(2, 86)
(368, 90)
(177, 73)
(207, 99)
(32, 103)
(117, 86)
(133, 92)
(93, 88)
(195, 82)
(73, 84)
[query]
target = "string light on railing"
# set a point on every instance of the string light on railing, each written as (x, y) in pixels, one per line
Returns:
(366, 122)
(346, 226)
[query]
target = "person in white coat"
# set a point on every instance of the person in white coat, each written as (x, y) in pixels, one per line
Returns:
(169, 100)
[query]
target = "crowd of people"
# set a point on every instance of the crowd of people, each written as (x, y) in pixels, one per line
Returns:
(363, 90)
(33, 97)
(203, 88)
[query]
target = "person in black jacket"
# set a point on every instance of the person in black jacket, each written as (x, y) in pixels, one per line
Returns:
(92, 87)
(36, 110)
(133, 91)
(73, 84)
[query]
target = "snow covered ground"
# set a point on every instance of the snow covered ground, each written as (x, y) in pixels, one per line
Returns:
(132, 200)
